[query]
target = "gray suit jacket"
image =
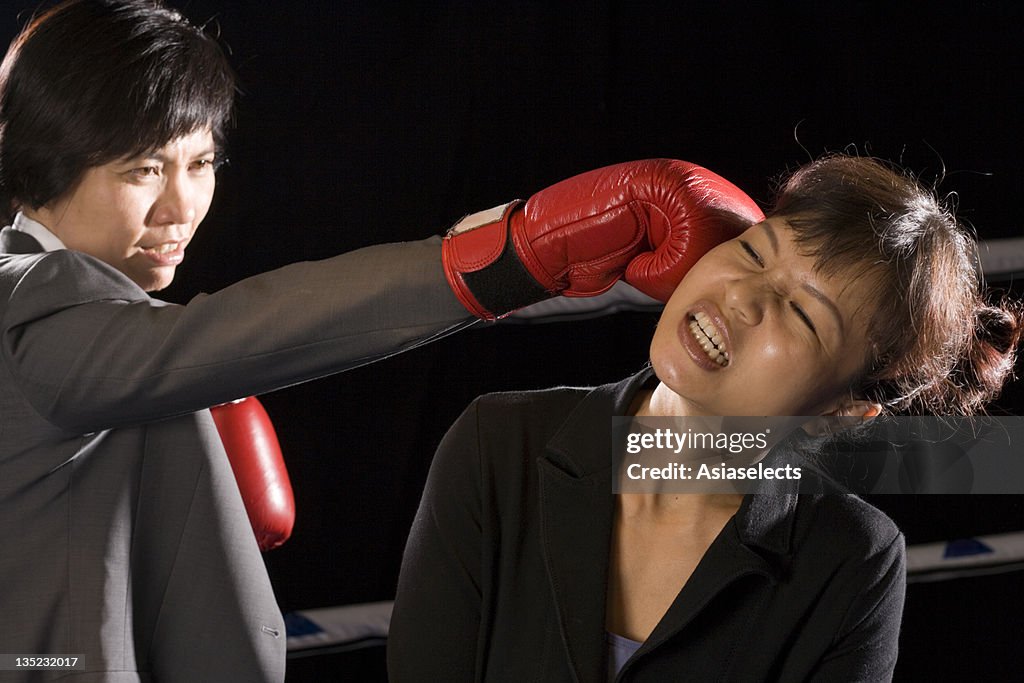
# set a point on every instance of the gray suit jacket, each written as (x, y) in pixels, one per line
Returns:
(124, 536)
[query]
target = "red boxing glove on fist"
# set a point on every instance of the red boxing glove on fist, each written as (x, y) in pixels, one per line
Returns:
(646, 220)
(255, 455)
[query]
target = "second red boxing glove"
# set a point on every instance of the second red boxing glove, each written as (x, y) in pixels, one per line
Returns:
(648, 221)
(255, 455)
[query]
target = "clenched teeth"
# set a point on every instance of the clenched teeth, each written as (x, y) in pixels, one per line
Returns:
(163, 248)
(709, 338)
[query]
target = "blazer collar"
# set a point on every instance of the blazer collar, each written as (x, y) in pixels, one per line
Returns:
(581, 445)
(576, 513)
(17, 242)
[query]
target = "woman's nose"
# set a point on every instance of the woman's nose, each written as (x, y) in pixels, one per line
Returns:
(748, 298)
(176, 203)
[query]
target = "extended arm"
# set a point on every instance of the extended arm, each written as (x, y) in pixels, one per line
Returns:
(89, 350)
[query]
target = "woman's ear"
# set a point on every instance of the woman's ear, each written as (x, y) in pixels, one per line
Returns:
(857, 408)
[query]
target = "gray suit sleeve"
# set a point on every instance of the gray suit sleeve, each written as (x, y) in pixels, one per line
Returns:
(90, 350)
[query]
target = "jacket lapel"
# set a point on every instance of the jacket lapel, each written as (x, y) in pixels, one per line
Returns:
(755, 541)
(576, 517)
(17, 242)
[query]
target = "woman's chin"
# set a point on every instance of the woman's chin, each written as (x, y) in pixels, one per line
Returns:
(154, 279)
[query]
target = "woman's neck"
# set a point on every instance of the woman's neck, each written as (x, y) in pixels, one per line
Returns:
(689, 508)
(661, 402)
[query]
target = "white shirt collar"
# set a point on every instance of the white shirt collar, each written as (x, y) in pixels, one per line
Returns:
(47, 239)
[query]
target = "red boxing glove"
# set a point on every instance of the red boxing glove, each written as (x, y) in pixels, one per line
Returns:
(255, 455)
(648, 221)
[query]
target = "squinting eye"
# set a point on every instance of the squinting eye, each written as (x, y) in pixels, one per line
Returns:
(753, 254)
(803, 316)
(143, 171)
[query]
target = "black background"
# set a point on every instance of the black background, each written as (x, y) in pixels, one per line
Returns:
(362, 123)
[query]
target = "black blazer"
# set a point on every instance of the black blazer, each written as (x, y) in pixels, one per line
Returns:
(505, 573)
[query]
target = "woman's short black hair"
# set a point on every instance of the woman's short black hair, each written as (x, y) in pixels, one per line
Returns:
(91, 81)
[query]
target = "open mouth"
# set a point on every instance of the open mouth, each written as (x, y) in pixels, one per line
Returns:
(165, 254)
(709, 338)
(162, 249)
(165, 248)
